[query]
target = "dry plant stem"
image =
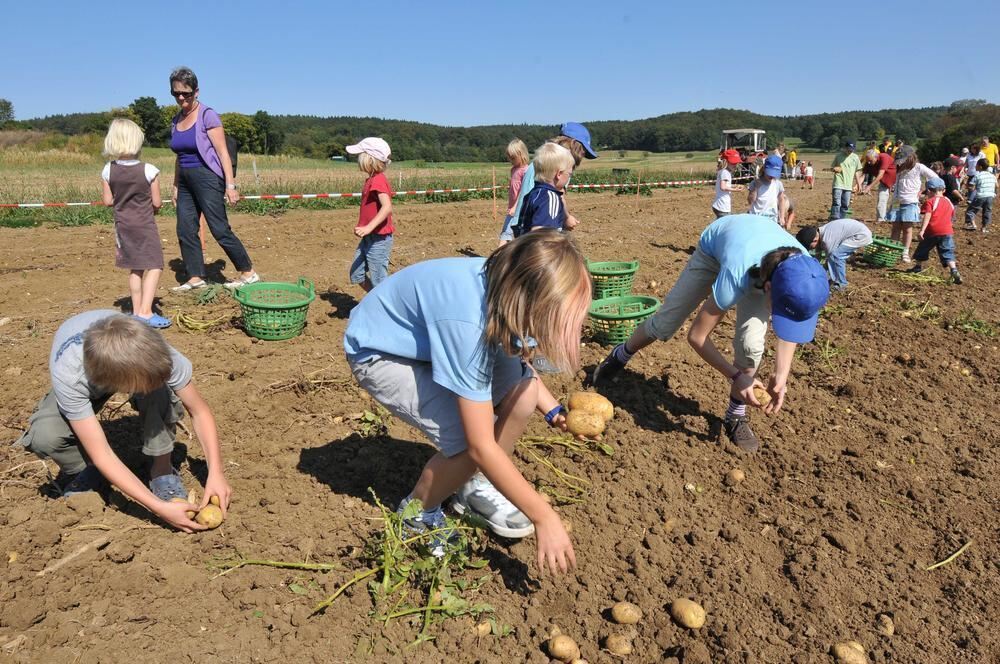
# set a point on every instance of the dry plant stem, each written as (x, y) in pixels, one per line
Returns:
(949, 558)
(76, 553)
(361, 576)
(280, 564)
(572, 481)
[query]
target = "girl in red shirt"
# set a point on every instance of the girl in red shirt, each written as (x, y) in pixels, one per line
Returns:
(375, 227)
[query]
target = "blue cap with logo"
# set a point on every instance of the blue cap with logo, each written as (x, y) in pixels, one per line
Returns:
(577, 131)
(799, 289)
(773, 166)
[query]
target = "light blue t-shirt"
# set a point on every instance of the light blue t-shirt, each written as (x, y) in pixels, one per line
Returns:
(738, 242)
(434, 311)
(527, 184)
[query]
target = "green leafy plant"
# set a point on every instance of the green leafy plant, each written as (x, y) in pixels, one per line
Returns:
(406, 579)
(920, 311)
(968, 321)
(373, 424)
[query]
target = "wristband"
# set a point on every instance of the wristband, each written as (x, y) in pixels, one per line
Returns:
(231, 186)
(553, 414)
(736, 375)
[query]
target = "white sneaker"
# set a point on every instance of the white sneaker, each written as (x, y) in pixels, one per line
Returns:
(243, 281)
(482, 499)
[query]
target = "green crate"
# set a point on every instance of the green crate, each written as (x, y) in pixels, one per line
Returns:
(612, 279)
(883, 252)
(613, 319)
(273, 311)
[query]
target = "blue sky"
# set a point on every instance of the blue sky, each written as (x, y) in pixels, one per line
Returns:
(468, 63)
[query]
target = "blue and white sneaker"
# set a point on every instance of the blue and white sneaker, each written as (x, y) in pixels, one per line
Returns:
(479, 498)
(437, 545)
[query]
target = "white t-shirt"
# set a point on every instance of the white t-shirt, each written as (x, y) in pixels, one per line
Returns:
(908, 183)
(151, 171)
(971, 159)
(809, 171)
(766, 202)
(723, 200)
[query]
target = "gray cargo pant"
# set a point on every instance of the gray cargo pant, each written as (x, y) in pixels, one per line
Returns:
(693, 287)
(50, 436)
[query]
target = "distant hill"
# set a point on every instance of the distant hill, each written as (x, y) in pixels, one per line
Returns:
(686, 131)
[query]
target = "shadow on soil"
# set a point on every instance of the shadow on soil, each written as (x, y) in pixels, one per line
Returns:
(340, 303)
(213, 271)
(656, 407)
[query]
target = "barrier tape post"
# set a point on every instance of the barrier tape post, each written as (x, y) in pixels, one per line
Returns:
(494, 195)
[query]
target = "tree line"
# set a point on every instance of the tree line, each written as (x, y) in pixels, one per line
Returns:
(941, 128)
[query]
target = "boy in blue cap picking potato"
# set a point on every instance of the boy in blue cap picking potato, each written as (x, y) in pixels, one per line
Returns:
(748, 262)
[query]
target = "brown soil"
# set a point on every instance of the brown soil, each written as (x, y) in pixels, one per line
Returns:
(880, 465)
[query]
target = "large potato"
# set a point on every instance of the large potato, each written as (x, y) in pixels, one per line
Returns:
(592, 402)
(563, 648)
(210, 516)
(687, 613)
(585, 423)
(762, 396)
(626, 613)
(849, 652)
(618, 644)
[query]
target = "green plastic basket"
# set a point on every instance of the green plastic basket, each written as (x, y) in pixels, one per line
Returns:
(273, 311)
(613, 319)
(883, 252)
(612, 279)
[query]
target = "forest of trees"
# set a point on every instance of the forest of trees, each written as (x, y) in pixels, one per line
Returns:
(939, 130)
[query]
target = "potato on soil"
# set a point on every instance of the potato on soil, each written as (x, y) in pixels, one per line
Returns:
(849, 652)
(585, 423)
(210, 516)
(735, 476)
(563, 648)
(626, 613)
(687, 613)
(592, 402)
(762, 395)
(617, 644)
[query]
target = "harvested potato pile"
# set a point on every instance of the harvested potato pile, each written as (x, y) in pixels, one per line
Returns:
(589, 413)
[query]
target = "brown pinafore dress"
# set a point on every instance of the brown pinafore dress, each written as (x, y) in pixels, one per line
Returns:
(136, 237)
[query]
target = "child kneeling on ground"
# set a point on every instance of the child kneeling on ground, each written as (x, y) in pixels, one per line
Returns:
(936, 230)
(456, 368)
(94, 355)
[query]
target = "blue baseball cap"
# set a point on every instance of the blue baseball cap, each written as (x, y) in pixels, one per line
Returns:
(799, 289)
(935, 183)
(578, 132)
(773, 166)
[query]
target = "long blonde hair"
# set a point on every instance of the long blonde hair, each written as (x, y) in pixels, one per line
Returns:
(538, 286)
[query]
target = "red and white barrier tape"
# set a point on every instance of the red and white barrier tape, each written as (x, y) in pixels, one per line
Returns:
(411, 192)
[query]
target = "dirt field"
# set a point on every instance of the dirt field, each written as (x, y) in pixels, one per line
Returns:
(879, 466)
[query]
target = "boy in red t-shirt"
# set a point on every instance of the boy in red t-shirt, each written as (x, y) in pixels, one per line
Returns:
(936, 230)
(375, 228)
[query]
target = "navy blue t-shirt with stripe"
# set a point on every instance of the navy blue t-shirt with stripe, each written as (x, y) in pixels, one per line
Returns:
(543, 208)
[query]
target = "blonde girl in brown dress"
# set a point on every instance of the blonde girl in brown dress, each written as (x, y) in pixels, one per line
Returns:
(132, 188)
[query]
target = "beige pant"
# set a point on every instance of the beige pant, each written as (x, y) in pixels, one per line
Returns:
(693, 287)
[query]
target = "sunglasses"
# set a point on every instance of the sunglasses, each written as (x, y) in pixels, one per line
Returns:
(178, 94)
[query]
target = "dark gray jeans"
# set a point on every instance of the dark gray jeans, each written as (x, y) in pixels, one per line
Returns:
(49, 434)
(200, 191)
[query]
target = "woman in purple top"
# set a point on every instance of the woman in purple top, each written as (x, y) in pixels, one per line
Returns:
(203, 182)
